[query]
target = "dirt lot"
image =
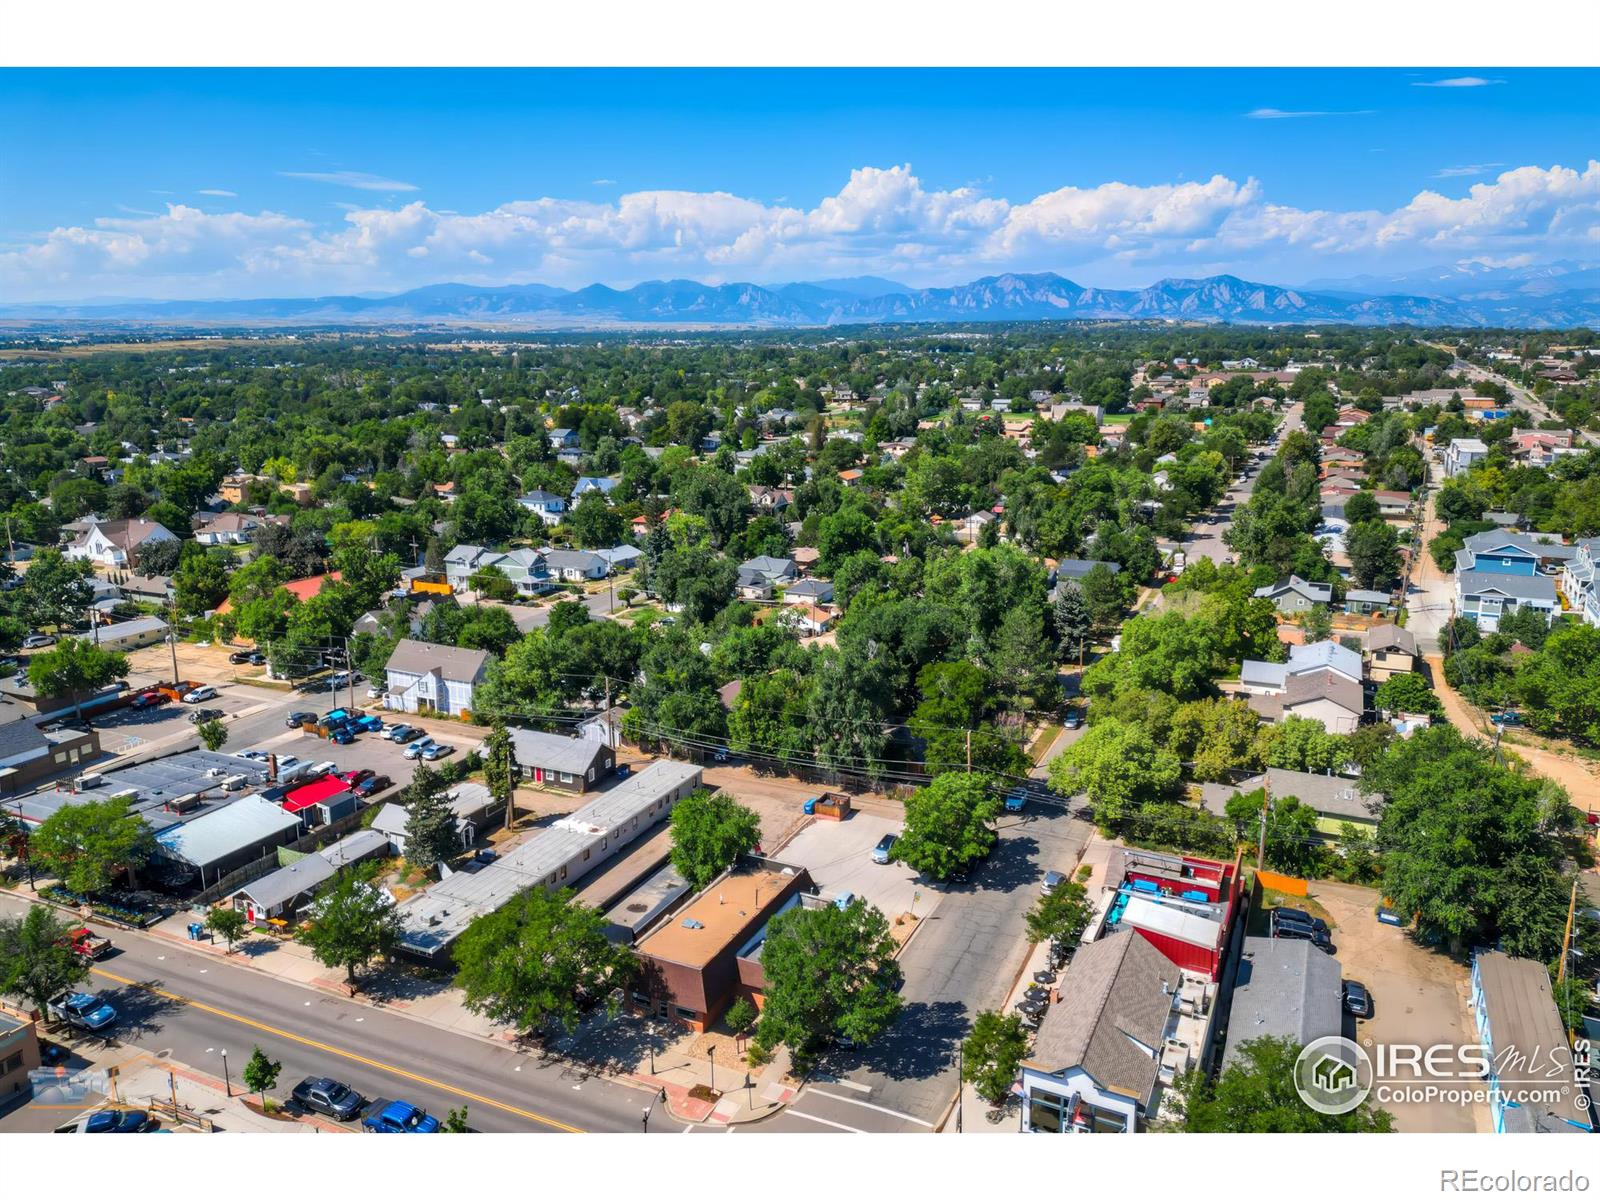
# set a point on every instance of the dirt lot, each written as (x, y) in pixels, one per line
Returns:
(777, 799)
(1418, 997)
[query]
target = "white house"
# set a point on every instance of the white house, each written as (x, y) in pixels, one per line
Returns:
(226, 528)
(1461, 453)
(574, 566)
(1580, 580)
(547, 505)
(422, 677)
(117, 543)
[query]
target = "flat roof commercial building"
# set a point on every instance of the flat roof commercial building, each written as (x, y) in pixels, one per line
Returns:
(709, 951)
(554, 858)
(1530, 1059)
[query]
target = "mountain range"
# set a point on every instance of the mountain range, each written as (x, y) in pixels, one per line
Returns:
(1552, 296)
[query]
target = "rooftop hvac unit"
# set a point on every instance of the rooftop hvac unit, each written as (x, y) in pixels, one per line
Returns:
(91, 780)
(233, 783)
(183, 804)
(214, 772)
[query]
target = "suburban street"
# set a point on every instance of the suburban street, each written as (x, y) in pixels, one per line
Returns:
(186, 1006)
(1206, 540)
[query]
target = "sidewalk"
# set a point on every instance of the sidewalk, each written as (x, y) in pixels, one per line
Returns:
(746, 1094)
(436, 1003)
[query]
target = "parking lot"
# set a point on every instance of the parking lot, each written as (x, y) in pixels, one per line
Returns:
(838, 855)
(1419, 997)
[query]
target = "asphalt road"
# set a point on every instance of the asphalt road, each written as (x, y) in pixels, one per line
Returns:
(960, 963)
(1206, 540)
(187, 1007)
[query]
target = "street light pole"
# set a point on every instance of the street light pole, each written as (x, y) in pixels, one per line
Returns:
(227, 1085)
(713, 1052)
(961, 1084)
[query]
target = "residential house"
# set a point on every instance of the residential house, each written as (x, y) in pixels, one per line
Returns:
(300, 589)
(126, 635)
(1508, 552)
(805, 558)
(423, 677)
(564, 439)
(147, 587)
(778, 572)
(810, 620)
(564, 763)
(1486, 596)
(1580, 580)
(472, 804)
(1099, 1061)
(526, 568)
(970, 527)
(1461, 453)
(1320, 681)
(1360, 600)
(1392, 504)
(226, 528)
(1072, 570)
(851, 477)
(1284, 989)
(809, 592)
(593, 483)
(547, 505)
(770, 499)
(286, 890)
(1534, 1084)
(1336, 800)
(1295, 595)
(117, 543)
(622, 558)
(575, 566)
(1390, 650)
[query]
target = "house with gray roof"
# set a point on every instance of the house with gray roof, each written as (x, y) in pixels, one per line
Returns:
(1096, 1061)
(1486, 596)
(1336, 800)
(548, 506)
(1532, 1077)
(227, 837)
(424, 677)
(1296, 595)
(809, 592)
(565, 763)
(287, 888)
(593, 483)
(776, 571)
(1284, 989)
(1390, 650)
(575, 566)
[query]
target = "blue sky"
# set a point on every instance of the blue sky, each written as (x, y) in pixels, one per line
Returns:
(180, 183)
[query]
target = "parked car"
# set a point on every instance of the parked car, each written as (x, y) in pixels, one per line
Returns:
(328, 1097)
(298, 718)
(1074, 718)
(37, 641)
(342, 736)
(417, 749)
(355, 777)
(206, 692)
(1305, 918)
(150, 700)
(256, 659)
(83, 1010)
(325, 767)
(1052, 880)
(118, 1120)
(403, 733)
(201, 715)
(253, 755)
(1016, 801)
(438, 750)
(881, 852)
(1289, 928)
(1357, 1001)
(240, 656)
(397, 1116)
(369, 723)
(372, 785)
(1509, 717)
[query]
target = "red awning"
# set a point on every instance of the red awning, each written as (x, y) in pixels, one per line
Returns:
(312, 793)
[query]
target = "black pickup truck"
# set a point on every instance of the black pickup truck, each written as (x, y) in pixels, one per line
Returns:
(330, 1098)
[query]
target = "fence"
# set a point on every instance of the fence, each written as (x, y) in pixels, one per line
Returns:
(1289, 884)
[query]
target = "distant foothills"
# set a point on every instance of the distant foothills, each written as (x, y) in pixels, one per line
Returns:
(1550, 296)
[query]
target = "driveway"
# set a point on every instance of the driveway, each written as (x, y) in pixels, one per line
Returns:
(962, 961)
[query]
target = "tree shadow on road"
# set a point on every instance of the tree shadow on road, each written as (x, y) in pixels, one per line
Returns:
(922, 1042)
(140, 1009)
(1010, 866)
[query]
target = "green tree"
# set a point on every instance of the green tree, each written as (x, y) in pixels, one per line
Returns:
(1118, 765)
(488, 627)
(213, 734)
(73, 668)
(741, 1015)
(88, 846)
(1361, 507)
(949, 824)
(710, 830)
(261, 1074)
(1304, 744)
(1374, 551)
(1256, 1094)
(431, 834)
(831, 973)
(1061, 914)
(201, 581)
(455, 1121)
(1407, 693)
(499, 770)
(1073, 624)
(351, 922)
(1317, 623)
(992, 1054)
(539, 961)
(594, 524)
(227, 923)
(492, 583)
(57, 590)
(37, 961)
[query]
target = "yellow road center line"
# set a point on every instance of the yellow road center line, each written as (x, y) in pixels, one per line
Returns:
(349, 1054)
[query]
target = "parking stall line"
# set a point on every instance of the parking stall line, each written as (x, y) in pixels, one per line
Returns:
(875, 1107)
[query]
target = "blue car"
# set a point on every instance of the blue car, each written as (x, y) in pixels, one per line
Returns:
(83, 1010)
(369, 723)
(342, 736)
(399, 1117)
(1017, 801)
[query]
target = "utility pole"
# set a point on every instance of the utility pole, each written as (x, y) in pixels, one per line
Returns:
(350, 672)
(172, 641)
(1261, 845)
(961, 1086)
(969, 752)
(1566, 938)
